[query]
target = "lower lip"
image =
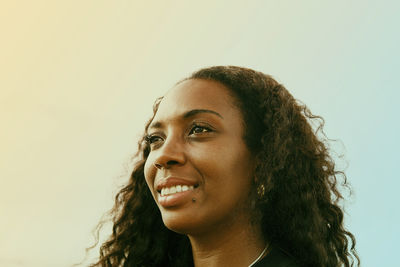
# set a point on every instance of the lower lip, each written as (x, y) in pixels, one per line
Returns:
(176, 199)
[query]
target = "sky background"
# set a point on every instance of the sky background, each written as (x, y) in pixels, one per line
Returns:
(78, 80)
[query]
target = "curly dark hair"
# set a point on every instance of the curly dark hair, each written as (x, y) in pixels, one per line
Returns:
(299, 204)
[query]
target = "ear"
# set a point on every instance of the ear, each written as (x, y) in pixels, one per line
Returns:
(255, 168)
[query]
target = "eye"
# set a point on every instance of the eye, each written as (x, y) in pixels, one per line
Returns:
(153, 139)
(198, 129)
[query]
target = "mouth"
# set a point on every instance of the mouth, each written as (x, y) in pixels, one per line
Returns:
(173, 185)
(167, 191)
(174, 191)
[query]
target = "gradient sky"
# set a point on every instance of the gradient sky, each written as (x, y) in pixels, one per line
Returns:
(78, 79)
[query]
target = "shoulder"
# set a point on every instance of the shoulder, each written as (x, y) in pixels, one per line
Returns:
(276, 258)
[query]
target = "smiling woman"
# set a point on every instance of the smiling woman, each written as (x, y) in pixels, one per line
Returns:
(199, 143)
(230, 173)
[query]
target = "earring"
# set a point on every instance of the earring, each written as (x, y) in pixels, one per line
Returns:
(261, 191)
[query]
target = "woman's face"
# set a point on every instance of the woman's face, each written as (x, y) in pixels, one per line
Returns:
(199, 169)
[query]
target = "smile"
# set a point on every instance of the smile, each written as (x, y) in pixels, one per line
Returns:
(175, 189)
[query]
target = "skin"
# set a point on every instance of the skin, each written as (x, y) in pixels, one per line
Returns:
(206, 147)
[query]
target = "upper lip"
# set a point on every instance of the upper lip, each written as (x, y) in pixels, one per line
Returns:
(172, 181)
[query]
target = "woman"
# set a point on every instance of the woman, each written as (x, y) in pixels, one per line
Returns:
(230, 173)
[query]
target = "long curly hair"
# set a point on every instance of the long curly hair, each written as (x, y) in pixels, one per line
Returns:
(296, 183)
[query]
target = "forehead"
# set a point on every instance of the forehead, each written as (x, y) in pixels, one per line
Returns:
(196, 94)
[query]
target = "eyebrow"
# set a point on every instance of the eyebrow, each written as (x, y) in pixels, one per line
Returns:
(194, 112)
(186, 115)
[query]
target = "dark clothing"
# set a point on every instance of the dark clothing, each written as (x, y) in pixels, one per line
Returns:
(276, 258)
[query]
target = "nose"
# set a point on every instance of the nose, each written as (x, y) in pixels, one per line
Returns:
(171, 153)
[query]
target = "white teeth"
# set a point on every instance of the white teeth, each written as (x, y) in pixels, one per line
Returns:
(166, 191)
(175, 189)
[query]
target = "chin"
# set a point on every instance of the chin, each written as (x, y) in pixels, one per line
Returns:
(176, 224)
(180, 223)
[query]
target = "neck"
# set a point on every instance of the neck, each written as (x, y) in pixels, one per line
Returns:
(232, 246)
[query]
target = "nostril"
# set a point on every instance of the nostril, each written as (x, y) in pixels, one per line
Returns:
(167, 164)
(172, 162)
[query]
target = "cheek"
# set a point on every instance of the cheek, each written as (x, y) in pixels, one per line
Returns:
(149, 173)
(238, 170)
(226, 165)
